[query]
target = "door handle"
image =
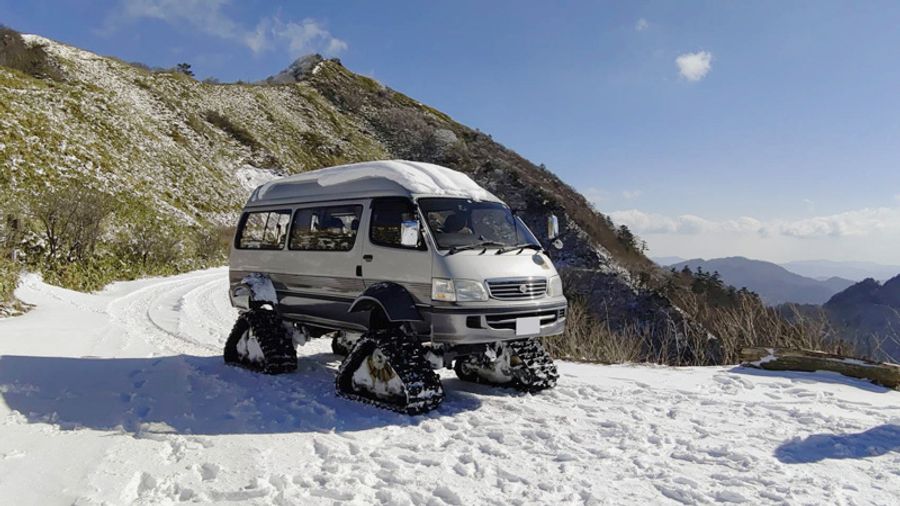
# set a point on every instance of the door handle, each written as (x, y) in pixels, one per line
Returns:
(367, 258)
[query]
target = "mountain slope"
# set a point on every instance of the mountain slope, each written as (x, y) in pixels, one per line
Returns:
(774, 284)
(870, 311)
(124, 399)
(179, 155)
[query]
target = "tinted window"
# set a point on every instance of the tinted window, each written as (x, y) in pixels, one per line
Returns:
(263, 230)
(387, 215)
(325, 228)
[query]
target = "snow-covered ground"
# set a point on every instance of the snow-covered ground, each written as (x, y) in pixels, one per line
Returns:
(122, 397)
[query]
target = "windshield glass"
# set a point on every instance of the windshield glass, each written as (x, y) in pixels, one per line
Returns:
(456, 223)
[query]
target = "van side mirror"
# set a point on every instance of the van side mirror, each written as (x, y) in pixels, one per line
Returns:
(552, 227)
(409, 233)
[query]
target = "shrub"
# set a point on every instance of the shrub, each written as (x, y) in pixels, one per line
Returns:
(588, 340)
(748, 322)
(149, 245)
(238, 133)
(213, 243)
(9, 273)
(16, 54)
(70, 219)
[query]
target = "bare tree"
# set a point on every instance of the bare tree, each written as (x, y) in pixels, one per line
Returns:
(71, 219)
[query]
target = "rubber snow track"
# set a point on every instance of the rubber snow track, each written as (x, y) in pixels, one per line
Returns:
(122, 397)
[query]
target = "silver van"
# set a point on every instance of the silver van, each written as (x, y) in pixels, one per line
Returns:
(409, 267)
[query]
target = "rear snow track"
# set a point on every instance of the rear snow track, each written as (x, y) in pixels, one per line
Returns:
(122, 397)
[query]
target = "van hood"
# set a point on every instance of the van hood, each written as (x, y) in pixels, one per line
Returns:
(476, 266)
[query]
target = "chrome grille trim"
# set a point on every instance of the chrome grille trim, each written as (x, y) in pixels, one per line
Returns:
(512, 288)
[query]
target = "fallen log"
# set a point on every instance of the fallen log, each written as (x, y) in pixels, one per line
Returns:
(787, 359)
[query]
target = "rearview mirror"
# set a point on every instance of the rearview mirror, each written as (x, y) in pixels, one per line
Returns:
(409, 233)
(552, 227)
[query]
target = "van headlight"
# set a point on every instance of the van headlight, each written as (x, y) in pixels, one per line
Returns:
(469, 290)
(453, 290)
(554, 287)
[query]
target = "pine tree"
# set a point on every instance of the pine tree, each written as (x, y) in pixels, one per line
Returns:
(184, 68)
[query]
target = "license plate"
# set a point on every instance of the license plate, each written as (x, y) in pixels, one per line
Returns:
(528, 326)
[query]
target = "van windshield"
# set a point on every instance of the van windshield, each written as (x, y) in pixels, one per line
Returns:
(460, 223)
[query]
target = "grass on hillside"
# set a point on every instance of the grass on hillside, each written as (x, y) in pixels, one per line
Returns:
(748, 323)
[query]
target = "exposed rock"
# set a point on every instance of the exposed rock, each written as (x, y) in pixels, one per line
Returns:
(297, 71)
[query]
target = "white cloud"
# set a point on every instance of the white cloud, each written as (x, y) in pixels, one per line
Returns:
(641, 25)
(300, 37)
(631, 194)
(851, 223)
(694, 66)
(207, 16)
(860, 222)
(871, 234)
(651, 223)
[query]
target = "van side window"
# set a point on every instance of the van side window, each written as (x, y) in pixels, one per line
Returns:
(263, 230)
(387, 214)
(325, 228)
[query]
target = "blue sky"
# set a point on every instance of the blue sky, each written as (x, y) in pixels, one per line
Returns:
(767, 129)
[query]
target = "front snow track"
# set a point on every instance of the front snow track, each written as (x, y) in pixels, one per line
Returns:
(522, 364)
(389, 370)
(122, 397)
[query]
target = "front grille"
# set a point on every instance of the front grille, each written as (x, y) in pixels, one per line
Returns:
(517, 288)
(508, 321)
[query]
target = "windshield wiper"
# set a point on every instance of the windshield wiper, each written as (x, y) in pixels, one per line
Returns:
(482, 244)
(519, 247)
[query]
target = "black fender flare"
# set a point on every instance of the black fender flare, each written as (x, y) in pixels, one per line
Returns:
(394, 300)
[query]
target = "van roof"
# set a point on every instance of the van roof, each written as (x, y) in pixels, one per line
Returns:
(386, 178)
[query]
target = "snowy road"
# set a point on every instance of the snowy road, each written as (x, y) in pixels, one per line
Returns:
(122, 397)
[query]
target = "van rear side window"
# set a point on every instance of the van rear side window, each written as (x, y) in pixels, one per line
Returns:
(325, 228)
(263, 230)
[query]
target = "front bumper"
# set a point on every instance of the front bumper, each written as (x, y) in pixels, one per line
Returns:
(472, 325)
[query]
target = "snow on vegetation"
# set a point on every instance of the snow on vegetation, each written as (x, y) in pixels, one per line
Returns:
(157, 136)
(174, 158)
(251, 177)
(122, 397)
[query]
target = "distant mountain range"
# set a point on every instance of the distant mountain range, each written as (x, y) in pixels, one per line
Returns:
(667, 261)
(821, 269)
(774, 284)
(857, 271)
